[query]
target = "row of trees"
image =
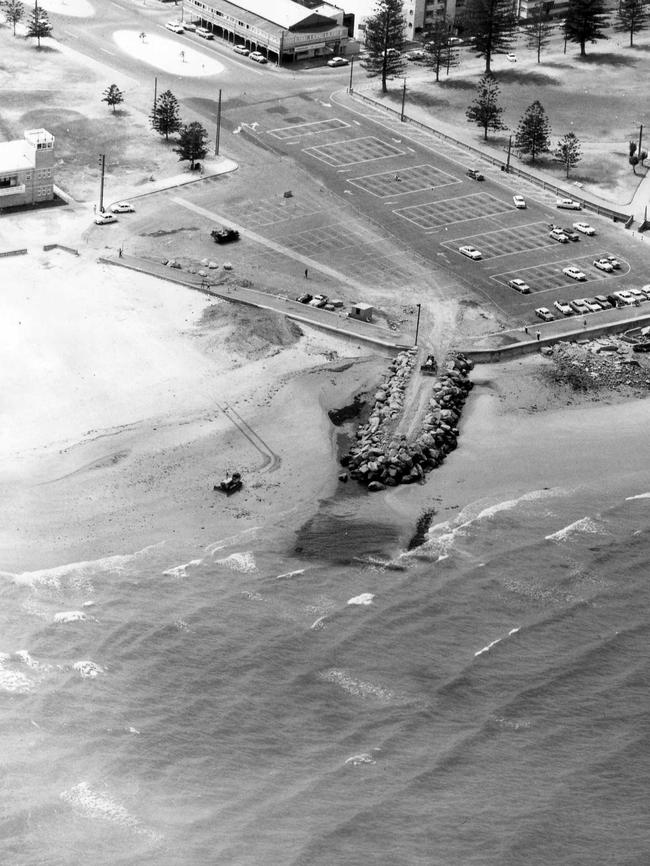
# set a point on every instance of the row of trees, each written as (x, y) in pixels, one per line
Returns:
(533, 135)
(38, 23)
(491, 28)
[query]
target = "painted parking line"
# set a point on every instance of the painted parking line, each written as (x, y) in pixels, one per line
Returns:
(299, 130)
(506, 241)
(417, 178)
(431, 215)
(353, 151)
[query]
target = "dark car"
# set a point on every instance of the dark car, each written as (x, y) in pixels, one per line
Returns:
(474, 174)
(604, 302)
(641, 347)
(571, 234)
(224, 235)
(305, 298)
(614, 301)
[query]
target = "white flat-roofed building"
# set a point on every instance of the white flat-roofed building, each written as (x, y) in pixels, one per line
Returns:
(26, 168)
(283, 30)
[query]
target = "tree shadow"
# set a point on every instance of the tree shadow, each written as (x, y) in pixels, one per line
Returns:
(609, 59)
(457, 84)
(45, 49)
(120, 112)
(539, 79)
(557, 64)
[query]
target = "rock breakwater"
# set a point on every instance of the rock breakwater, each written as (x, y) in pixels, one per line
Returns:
(379, 458)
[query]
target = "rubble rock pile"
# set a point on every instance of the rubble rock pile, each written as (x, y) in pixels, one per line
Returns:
(604, 363)
(379, 459)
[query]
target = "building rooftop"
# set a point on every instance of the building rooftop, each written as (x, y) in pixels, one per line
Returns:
(284, 13)
(15, 156)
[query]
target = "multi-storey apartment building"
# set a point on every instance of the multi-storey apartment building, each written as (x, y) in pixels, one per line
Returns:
(26, 169)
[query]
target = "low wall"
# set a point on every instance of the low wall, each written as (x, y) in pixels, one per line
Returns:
(72, 250)
(13, 253)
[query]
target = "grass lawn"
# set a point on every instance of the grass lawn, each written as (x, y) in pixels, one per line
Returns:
(602, 98)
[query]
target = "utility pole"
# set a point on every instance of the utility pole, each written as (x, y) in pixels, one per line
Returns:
(102, 165)
(351, 68)
(155, 92)
(403, 101)
(218, 136)
(640, 140)
(417, 324)
(509, 149)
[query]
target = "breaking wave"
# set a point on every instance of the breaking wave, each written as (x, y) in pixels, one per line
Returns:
(364, 598)
(242, 562)
(97, 806)
(358, 688)
(584, 526)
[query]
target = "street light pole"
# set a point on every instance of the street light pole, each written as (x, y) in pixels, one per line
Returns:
(218, 136)
(417, 325)
(403, 101)
(351, 68)
(509, 149)
(102, 165)
(640, 139)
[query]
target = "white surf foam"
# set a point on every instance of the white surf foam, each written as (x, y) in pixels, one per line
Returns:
(14, 681)
(243, 562)
(355, 687)
(318, 624)
(363, 758)
(31, 662)
(98, 806)
(488, 647)
(584, 526)
(289, 574)
(364, 598)
(215, 546)
(638, 496)
(181, 570)
(70, 616)
(88, 669)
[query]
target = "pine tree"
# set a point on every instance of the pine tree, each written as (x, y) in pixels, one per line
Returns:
(384, 41)
(491, 24)
(113, 96)
(585, 21)
(534, 131)
(439, 50)
(39, 24)
(485, 110)
(631, 17)
(192, 143)
(14, 11)
(538, 29)
(568, 151)
(165, 117)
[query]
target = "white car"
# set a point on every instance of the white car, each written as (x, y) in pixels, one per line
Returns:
(568, 204)
(603, 265)
(638, 295)
(175, 26)
(558, 235)
(241, 49)
(613, 262)
(545, 314)
(585, 228)
(122, 207)
(204, 33)
(258, 57)
(511, 57)
(563, 307)
(625, 297)
(574, 273)
(519, 286)
(470, 252)
(103, 219)
(592, 305)
(337, 61)
(188, 25)
(519, 201)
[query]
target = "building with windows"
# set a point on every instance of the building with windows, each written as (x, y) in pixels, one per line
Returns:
(26, 168)
(283, 30)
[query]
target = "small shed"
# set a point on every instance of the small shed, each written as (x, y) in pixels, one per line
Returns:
(361, 311)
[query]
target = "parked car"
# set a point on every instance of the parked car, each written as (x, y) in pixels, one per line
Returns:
(519, 286)
(585, 228)
(604, 302)
(123, 207)
(574, 273)
(393, 52)
(338, 61)
(558, 235)
(564, 307)
(305, 298)
(224, 235)
(625, 297)
(592, 303)
(258, 57)
(603, 265)
(416, 55)
(615, 301)
(571, 234)
(103, 219)
(511, 57)
(470, 252)
(474, 174)
(641, 347)
(614, 262)
(579, 306)
(189, 25)
(241, 49)
(175, 26)
(638, 295)
(519, 201)
(568, 204)
(204, 33)
(318, 301)
(545, 314)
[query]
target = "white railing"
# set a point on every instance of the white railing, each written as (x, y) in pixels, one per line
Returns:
(12, 190)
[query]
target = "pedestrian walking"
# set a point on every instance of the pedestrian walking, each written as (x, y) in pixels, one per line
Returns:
(539, 336)
(119, 252)
(306, 273)
(526, 329)
(584, 323)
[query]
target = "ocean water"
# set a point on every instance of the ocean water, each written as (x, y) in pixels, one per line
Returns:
(480, 700)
